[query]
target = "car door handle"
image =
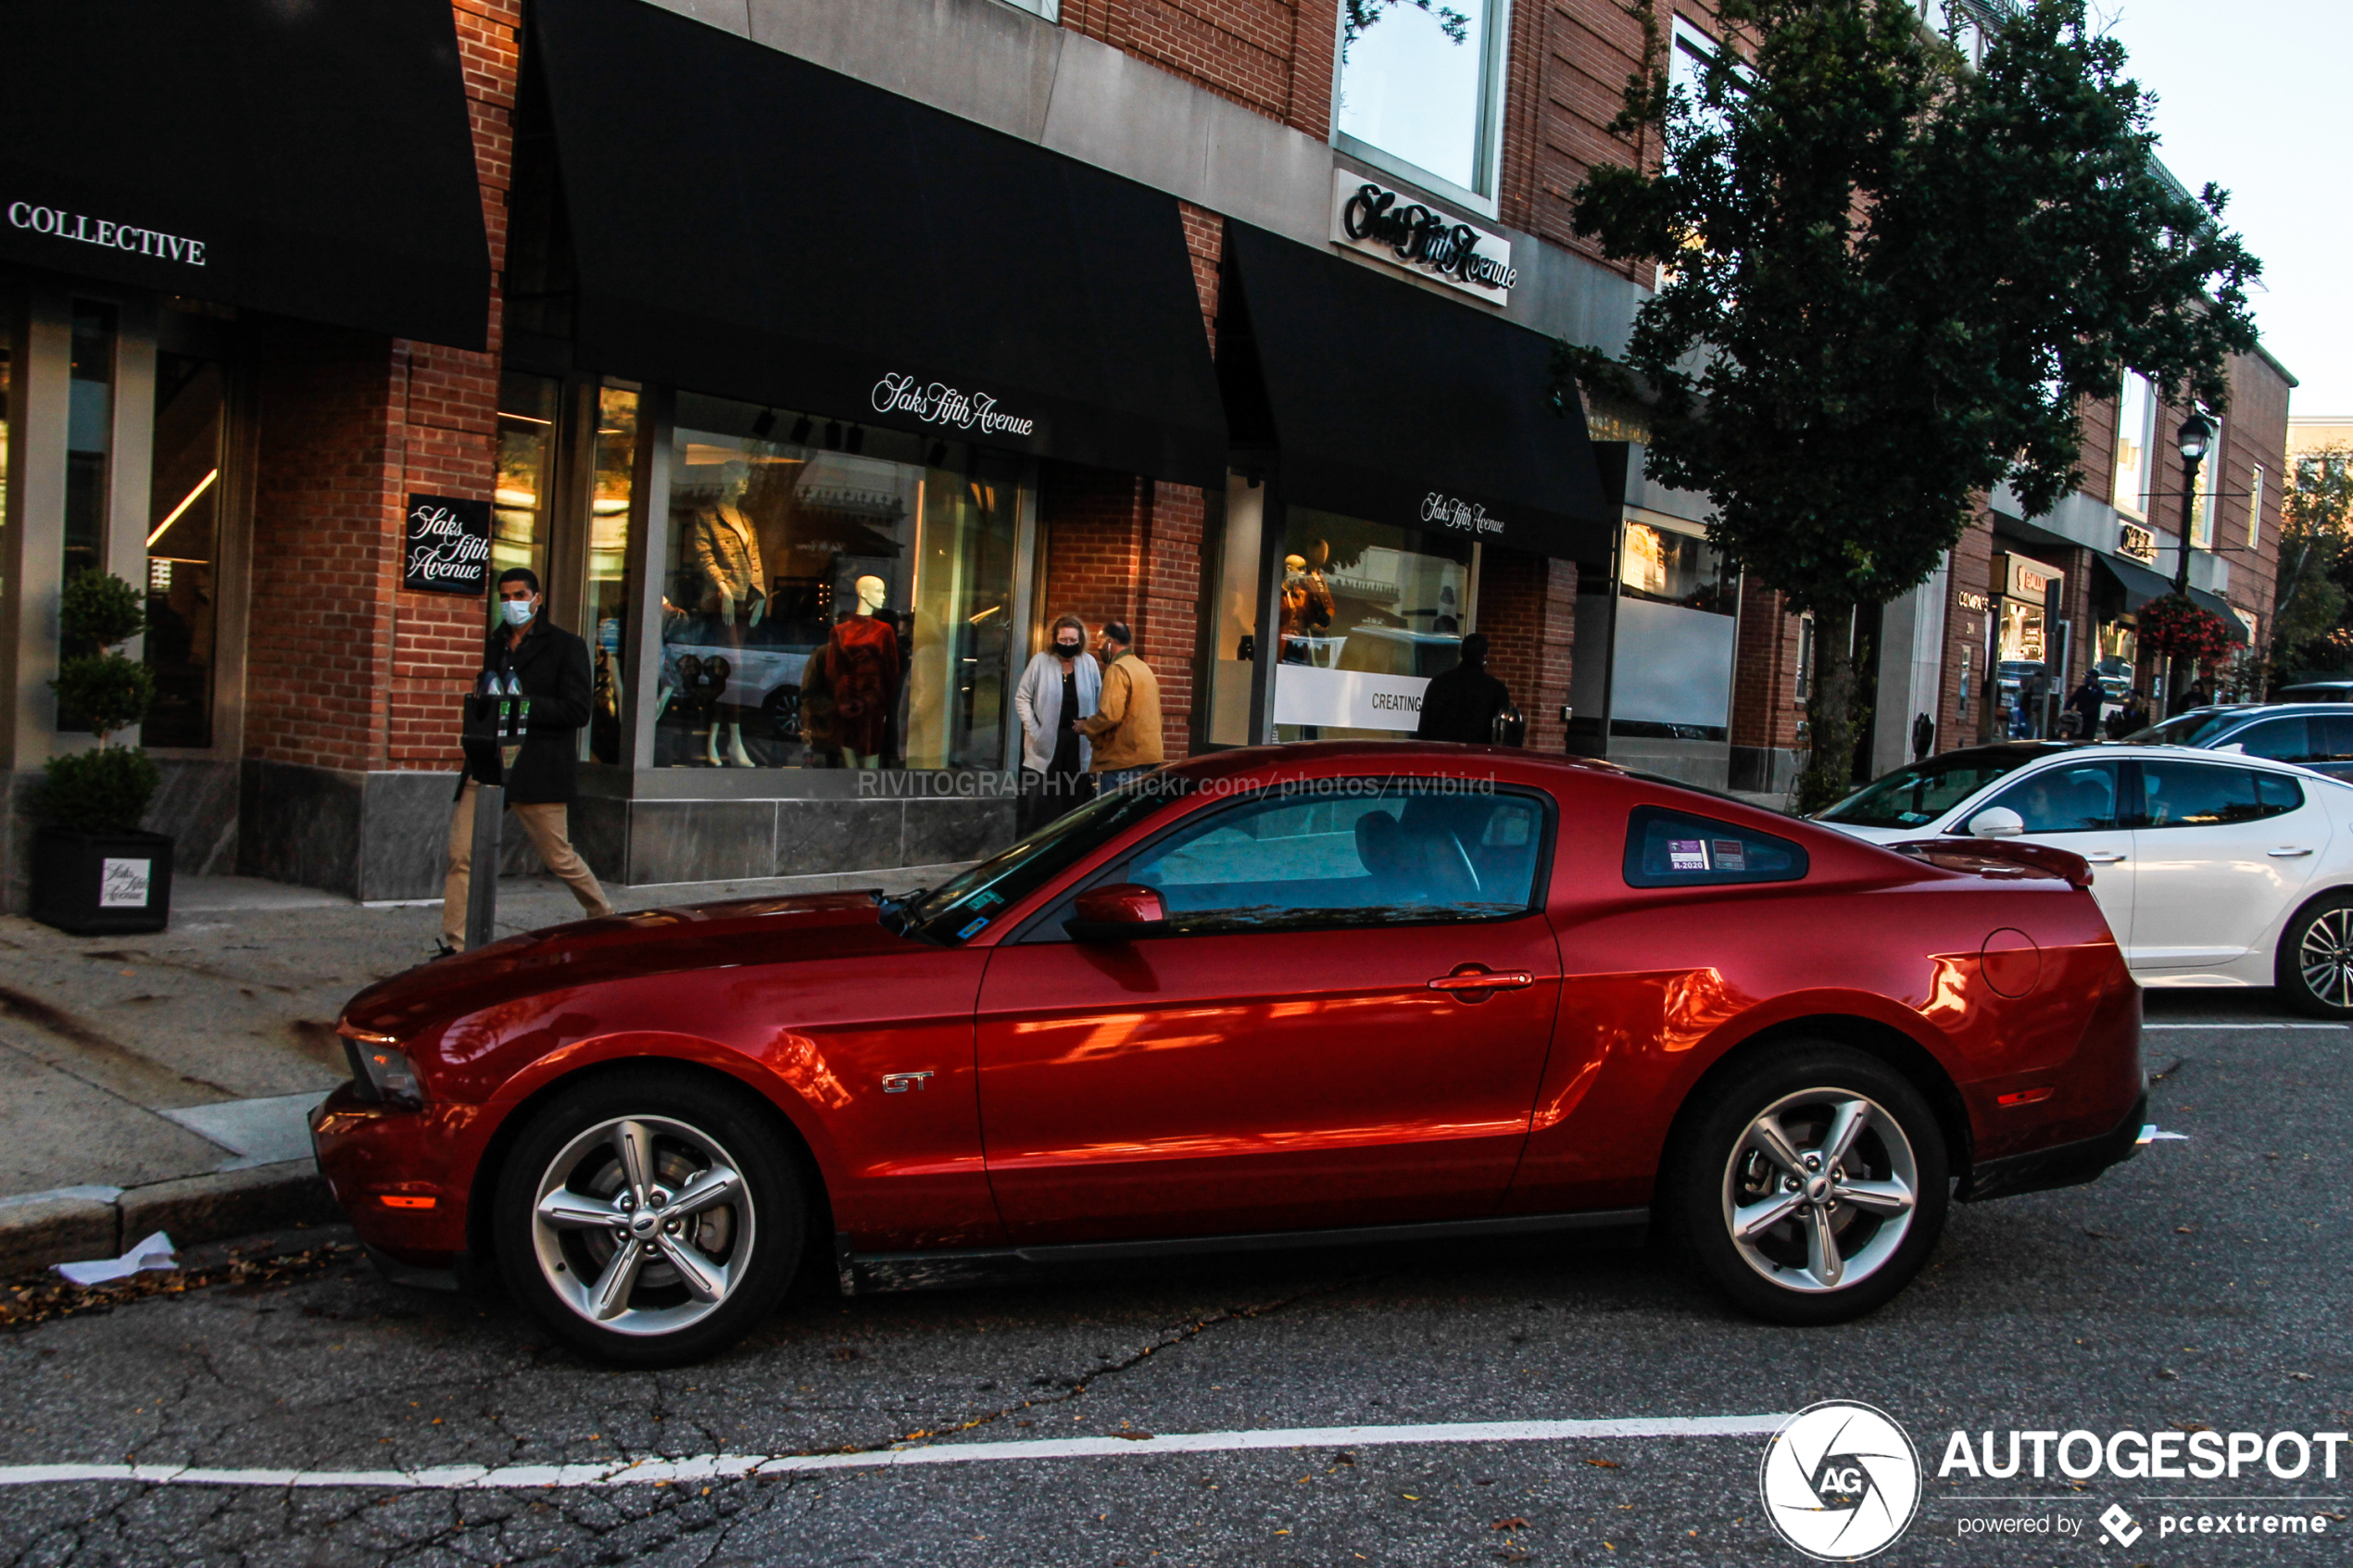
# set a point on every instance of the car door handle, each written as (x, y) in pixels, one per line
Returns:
(2105, 856)
(1506, 980)
(2288, 852)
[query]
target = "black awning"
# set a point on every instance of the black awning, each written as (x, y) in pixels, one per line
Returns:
(1384, 401)
(2140, 585)
(748, 224)
(2215, 604)
(311, 159)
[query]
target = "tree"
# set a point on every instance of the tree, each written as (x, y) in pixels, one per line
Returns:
(1888, 284)
(2310, 625)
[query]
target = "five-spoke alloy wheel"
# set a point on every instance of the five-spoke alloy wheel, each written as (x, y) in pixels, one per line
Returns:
(648, 1223)
(2316, 959)
(1811, 1185)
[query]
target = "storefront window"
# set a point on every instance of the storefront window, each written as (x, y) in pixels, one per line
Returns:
(1678, 596)
(1417, 82)
(1369, 613)
(833, 596)
(184, 546)
(89, 436)
(614, 467)
(526, 442)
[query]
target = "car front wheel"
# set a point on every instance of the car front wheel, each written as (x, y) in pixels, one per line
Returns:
(1811, 1185)
(2316, 959)
(648, 1222)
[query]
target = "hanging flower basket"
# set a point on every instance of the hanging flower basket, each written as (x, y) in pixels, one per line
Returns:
(2173, 625)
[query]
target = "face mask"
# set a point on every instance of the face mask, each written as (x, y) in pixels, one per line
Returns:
(1068, 650)
(516, 612)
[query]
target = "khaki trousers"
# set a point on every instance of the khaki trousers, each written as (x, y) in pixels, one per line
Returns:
(550, 833)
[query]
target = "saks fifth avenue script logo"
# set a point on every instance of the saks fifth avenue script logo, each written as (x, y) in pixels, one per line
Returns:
(1380, 220)
(939, 403)
(104, 232)
(1448, 512)
(1840, 1481)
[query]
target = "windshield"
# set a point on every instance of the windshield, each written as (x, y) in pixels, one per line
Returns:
(2187, 729)
(1924, 791)
(960, 909)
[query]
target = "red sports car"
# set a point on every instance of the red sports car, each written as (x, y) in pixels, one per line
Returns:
(1338, 991)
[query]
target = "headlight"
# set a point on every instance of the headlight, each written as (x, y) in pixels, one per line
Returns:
(380, 1070)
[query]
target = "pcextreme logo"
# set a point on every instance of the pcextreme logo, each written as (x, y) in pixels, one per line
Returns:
(1840, 1481)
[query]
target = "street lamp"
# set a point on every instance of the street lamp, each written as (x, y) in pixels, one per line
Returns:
(2193, 440)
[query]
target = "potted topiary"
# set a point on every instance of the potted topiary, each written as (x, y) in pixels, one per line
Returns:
(93, 871)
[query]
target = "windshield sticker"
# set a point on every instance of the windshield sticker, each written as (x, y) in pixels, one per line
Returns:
(987, 900)
(975, 926)
(1730, 854)
(1686, 855)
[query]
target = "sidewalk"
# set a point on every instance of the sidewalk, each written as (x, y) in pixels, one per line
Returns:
(162, 1082)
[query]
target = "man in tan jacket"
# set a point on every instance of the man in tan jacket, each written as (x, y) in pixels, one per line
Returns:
(1124, 727)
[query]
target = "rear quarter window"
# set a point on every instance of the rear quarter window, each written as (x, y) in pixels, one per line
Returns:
(1668, 848)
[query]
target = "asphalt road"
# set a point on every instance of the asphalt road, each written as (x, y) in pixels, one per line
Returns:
(2201, 1286)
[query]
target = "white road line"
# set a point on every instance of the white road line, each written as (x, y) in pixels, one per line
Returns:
(2147, 1027)
(710, 1467)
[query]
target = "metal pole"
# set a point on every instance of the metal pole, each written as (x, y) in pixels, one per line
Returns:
(482, 884)
(2177, 669)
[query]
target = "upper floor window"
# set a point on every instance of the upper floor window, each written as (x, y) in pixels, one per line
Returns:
(2255, 507)
(1421, 86)
(2135, 435)
(2209, 484)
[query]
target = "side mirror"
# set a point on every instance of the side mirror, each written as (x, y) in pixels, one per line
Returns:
(1997, 822)
(1117, 912)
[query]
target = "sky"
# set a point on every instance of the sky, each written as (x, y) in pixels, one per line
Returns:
(2253, 97)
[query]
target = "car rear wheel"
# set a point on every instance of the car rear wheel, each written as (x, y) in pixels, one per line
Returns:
(2316, 959)
(648, 1222)
(1811, 1185)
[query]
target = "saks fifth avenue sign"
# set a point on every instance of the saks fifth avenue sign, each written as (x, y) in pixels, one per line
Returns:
(104, 232)
(1370, 218)
(1467, 516)
(936, 402)
(445, 545)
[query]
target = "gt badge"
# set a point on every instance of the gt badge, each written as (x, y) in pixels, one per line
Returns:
(900, 1082)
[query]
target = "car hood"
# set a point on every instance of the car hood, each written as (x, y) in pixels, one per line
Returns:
(811, 928)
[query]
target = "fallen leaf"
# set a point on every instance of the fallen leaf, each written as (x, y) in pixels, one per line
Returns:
(1514, 1523)
(1134, 1436)
(1605, 1463)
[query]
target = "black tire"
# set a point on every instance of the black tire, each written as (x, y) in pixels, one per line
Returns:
(686, 1129)
(2316, 947)
(1718, 1161)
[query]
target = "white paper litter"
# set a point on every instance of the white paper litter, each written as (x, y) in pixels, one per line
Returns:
(153, 1253)
(2150, 1134)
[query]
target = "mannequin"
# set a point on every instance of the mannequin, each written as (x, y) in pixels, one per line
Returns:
(725, 549)
(861, 670)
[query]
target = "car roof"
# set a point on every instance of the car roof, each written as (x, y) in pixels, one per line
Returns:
(2014, 752)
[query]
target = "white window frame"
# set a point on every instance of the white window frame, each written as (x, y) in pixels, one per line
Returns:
(1488, 169)
(2135, 503)
(1051, 11)
(2255, 507)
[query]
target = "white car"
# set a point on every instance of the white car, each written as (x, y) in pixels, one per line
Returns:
(2212, 868)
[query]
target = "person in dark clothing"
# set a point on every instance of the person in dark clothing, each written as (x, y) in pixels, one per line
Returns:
(552, 667)
(1923, 737)
(2086, 703)
(1460, 705)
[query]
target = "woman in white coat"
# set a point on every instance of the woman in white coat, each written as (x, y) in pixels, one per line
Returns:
(1060, 687)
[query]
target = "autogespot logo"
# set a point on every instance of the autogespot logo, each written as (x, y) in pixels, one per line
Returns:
(1840, 1481)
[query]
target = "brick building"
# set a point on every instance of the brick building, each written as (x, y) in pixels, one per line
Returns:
(816, 356)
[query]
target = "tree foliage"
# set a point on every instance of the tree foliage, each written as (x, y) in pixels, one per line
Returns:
(1889, 282)
(2312, 609)
(106, 790)
(1362, 14)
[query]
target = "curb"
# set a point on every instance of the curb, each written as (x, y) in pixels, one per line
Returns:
(71, 1224)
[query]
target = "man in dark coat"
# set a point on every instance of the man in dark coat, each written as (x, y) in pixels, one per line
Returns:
(552, 667)
(2086, 704)
(1460, 705)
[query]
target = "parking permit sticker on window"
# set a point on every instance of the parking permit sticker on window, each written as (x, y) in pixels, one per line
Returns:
(1730, 854)
(1687, 854)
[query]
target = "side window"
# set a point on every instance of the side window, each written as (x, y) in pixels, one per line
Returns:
(2332, 737)
(2077, 799)
(2201, 794)
(2283, 740)
(1667, 849)
(1349, 852)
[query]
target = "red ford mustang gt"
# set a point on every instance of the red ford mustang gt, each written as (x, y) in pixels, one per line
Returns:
(1351, 992)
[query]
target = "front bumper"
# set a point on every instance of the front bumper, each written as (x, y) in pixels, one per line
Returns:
(402, 1176)
(2064, 1165)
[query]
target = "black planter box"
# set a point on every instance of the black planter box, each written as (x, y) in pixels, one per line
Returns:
(97, 883)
